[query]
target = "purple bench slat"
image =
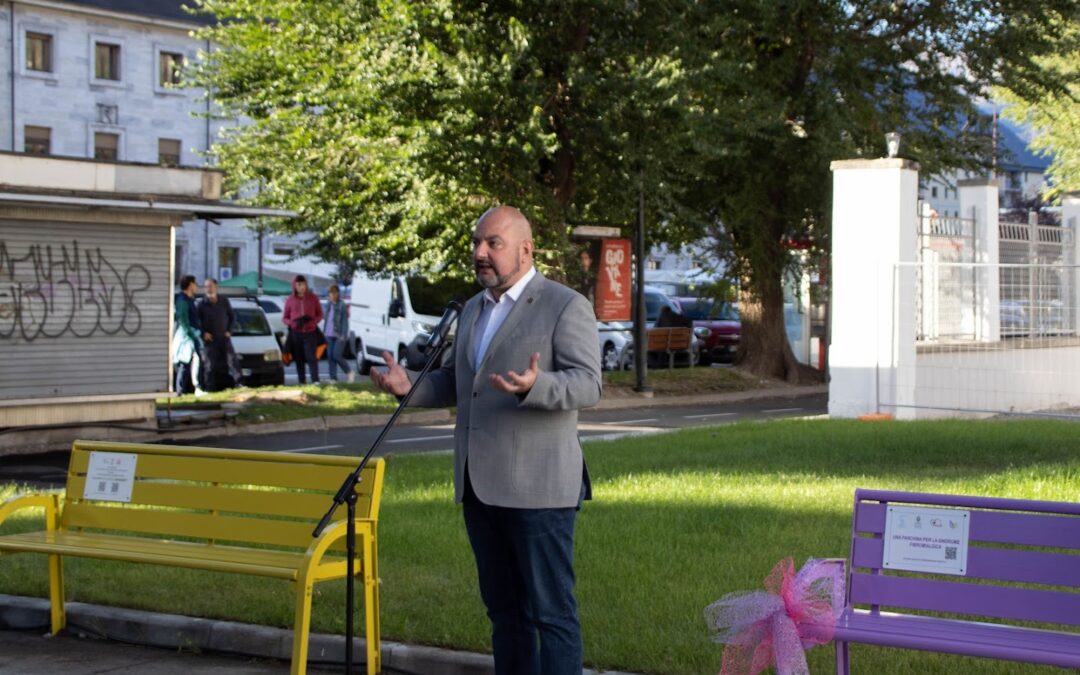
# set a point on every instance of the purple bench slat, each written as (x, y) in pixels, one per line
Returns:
(966, 502)
(961, 637)
(1000, 564)
(1027, 529)
(933, 595)
(1022, 524)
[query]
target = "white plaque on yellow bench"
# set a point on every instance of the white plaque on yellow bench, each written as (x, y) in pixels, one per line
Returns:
(110, 476)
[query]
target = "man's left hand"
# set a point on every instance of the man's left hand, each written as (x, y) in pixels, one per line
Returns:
(517, 383)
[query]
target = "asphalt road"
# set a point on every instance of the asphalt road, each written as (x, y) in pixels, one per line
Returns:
(50, 468)
(592, 424)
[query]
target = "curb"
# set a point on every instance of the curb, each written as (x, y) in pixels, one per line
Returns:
(308, 424)
(436, 416)
(778, 391)
(172, 631)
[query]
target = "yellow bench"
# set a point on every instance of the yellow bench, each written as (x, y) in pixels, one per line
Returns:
(671, 340)
(242, 511)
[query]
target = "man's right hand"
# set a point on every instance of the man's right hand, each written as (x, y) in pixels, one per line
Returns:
(393, 380)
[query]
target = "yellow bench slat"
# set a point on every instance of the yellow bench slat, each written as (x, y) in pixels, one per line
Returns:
(192, 524)
(279, 564)
(150, 449)
(228, 498)
(223, 470)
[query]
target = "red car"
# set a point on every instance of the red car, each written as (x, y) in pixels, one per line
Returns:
(721, 319)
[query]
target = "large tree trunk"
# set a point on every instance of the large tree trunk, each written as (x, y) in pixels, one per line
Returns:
(763, 348)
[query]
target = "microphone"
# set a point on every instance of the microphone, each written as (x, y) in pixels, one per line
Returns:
(438, 336)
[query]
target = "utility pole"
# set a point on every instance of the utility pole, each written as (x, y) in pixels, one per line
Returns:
(641, 341)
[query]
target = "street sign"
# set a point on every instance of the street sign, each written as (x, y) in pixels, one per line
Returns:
(595, 232)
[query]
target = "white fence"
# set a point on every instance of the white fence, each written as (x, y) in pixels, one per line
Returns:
(1032, 368)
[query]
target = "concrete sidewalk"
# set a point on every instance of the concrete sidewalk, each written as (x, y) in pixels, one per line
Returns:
(111, 640)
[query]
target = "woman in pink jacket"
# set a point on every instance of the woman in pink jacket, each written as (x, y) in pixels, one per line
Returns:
(302, 315)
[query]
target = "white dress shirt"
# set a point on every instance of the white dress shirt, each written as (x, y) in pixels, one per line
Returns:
(494, 312)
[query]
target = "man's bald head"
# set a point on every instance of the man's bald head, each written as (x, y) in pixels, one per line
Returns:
(502, 248)
(511, 217)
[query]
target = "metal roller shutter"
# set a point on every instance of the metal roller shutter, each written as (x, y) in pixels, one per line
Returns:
(84, 309)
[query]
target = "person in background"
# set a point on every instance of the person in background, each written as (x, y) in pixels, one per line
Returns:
(302, 315)
(186, 342)
(336, 330)
(216, 318)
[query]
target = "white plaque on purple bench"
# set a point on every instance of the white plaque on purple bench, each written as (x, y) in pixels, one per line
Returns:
(926, 539)
(110, 476)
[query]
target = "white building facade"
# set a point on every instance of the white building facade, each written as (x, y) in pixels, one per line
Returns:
(98, 79)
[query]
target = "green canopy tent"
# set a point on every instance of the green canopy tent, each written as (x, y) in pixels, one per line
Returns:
(250, 282)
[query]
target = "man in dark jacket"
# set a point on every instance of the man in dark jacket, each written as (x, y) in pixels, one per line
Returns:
(216, 318)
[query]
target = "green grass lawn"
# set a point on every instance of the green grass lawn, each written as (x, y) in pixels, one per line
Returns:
(282, 404)
(678, 520)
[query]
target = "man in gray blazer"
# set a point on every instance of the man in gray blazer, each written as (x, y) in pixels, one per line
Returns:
(526, 359)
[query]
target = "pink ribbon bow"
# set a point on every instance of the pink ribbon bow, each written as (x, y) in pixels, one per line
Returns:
(776, 626)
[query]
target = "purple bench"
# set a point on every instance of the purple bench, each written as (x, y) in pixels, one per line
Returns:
(1022, 566)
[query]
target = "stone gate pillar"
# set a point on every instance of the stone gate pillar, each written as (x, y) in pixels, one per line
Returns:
(1070, 220)
(872, 313)
(979, 201)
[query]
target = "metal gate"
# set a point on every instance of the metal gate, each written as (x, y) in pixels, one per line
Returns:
(1037, 291)
(947, 291)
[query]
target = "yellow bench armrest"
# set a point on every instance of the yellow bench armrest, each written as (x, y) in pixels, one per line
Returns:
(333, 532)
(49, 502)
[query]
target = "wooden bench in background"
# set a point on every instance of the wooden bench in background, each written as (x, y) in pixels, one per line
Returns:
(671, 341)
(239, 511)
(1022, 566)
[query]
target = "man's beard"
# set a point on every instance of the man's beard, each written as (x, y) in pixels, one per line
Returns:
(499, 279)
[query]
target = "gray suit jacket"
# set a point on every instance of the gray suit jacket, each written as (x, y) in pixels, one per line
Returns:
(522, 452)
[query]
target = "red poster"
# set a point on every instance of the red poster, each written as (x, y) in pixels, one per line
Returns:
(613, 287)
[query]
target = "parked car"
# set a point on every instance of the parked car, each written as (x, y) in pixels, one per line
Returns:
(616, 345)
(722, 328)
(274, 307)
(257, 348)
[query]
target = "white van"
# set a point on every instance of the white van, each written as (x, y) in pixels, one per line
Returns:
(390, 313)
(256, 345)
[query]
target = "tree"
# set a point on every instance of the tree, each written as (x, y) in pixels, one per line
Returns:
(389, 126)
(1055, 115)
(820, 80)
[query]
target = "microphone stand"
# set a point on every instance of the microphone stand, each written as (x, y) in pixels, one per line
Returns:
(346, 494)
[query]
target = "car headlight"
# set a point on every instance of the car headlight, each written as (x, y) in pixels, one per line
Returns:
(422, 327)
(271, 355)
(702, 332)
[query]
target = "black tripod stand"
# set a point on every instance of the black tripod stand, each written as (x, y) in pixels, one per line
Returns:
(346, 494)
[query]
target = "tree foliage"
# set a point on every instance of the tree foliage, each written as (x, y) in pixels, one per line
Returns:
(389, 125)
(1054, 115)
(820, 80)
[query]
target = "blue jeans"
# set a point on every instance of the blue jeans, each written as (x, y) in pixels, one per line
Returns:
(525, 562)
(335, 350)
